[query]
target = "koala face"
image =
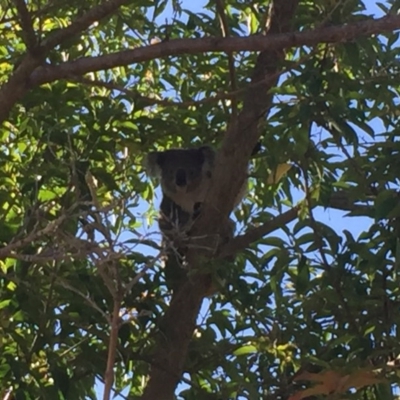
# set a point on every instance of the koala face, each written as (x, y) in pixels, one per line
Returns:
(185, 174)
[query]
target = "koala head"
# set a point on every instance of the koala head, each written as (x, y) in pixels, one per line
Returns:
(185, 174)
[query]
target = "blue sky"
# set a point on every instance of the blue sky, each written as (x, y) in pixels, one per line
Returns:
(334, 218)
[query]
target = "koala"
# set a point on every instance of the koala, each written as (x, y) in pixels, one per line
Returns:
(185, 174)
(185, 177)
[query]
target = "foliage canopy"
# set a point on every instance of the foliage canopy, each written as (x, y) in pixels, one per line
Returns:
(306, 309)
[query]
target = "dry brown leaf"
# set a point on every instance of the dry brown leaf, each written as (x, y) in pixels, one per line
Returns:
(333, 382)
(276, 175)
(359, 379)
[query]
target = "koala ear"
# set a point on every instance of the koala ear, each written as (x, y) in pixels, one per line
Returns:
(153, 163)
(208, 155)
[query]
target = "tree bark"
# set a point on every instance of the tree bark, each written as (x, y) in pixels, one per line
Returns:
(180, 320)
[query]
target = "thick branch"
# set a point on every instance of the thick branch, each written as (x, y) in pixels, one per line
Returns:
(17, 85)
(331, 34)
(241, 138)
(176, 330)
(27, 72)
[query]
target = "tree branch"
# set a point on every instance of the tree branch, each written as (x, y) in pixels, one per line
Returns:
(19, 82)
(220, 95)
(95, 14)
(17, 85)
(340, 200)
(30, 74)
(275, 41)
(26, 24)
(176, 330)
(179, 321)
(112, 349)
(49, 229)
(241, 138)
(243, 241)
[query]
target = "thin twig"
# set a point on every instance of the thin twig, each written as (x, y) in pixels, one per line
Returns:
(142, 272)
(231, 61)
(112, 350)
(48, 229)
(8, 394)
(60, 281)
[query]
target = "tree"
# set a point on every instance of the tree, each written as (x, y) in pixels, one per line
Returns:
(298, 310)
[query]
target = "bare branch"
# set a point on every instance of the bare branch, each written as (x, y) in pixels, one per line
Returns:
(275, 41)
(341, 200)
(17, 85)
(26, 24)
(143, 272)
(50, 228)
(7, 393)
(135, 95)
(60, 281)
(112, 350)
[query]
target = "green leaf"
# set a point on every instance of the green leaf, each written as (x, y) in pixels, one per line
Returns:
(385, 203)
(244, 350)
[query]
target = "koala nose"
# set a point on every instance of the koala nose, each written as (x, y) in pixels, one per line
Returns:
(180, 178)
